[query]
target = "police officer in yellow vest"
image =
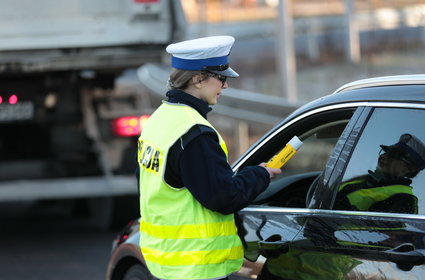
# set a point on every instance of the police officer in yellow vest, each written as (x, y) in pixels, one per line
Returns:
(387, 189)
(188, 192)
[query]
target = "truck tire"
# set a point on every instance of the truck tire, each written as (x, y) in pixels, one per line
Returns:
(112, 212)
(125, 209)
(100, 212)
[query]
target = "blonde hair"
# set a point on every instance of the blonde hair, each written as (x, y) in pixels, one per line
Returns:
(180, 79)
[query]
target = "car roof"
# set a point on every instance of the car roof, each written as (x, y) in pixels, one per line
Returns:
(384, 81)
(402, 88)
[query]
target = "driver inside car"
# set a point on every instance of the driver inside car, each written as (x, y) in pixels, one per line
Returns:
(387, 188)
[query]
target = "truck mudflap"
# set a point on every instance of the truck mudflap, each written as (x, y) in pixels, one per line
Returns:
(65, 188)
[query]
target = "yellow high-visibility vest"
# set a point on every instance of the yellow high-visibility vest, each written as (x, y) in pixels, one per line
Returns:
(363, 199)
(179, 238)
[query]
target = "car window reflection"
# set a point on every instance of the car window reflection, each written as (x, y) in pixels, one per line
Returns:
(393, 184)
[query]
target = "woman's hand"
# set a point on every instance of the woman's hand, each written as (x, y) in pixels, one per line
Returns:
(272, 171)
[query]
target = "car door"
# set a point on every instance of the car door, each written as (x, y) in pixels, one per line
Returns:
(384, 240)
(279, 214)
(367, 235)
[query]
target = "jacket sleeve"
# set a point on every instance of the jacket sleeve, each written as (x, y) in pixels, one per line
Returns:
(206, 173)
(398, 203)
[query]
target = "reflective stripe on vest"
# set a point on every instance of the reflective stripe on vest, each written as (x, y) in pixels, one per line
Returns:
(188, 231)
(311, 265)
(179, 238)
(191, 258)
(363, 199)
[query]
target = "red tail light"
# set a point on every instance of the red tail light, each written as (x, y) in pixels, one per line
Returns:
(12, 99)
(129, 126)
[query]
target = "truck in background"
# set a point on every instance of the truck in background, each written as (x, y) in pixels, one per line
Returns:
(67, 133)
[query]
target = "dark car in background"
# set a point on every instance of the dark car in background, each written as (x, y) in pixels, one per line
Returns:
(349, 205)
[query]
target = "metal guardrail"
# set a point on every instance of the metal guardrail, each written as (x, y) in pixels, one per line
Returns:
(79, 187)
(234, 103)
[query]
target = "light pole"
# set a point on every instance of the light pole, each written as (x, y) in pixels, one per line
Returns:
(285, 51)
(352, 46)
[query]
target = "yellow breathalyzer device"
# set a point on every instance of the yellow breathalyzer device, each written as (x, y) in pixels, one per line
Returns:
(285, 154)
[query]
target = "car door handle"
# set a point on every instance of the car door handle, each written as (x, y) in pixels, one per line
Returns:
(273, 247)
(406, 254)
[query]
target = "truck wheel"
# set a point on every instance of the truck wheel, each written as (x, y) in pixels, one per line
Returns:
(137, 272)
(100, 212)
(125, 209)
(112, 212)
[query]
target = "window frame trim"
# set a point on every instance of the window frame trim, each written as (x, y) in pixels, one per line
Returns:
(242, 160)
(320, 212)
(356, 104)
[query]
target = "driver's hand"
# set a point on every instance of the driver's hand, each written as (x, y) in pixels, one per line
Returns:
(272, 171)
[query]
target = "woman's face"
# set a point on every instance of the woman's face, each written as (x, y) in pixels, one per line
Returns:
(210, 90)
(393, 165)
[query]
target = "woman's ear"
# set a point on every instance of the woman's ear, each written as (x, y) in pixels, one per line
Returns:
(197, 80)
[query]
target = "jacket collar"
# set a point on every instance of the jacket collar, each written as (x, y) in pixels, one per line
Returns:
(179, 96)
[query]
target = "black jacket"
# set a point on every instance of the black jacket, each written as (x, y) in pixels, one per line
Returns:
(196, 161)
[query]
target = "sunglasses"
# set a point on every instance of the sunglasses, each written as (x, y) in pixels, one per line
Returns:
(395, 154)
(219, 77)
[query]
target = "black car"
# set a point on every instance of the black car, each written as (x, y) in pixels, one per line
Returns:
(349, 205)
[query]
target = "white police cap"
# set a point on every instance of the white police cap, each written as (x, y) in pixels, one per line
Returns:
(208, 54)
(412, 147)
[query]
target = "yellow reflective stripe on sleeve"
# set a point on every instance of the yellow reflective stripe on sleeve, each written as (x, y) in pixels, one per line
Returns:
(224, 148)
(189, 231)
(192, 257)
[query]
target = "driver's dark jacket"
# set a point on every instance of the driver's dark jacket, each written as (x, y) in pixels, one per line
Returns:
(196, 161)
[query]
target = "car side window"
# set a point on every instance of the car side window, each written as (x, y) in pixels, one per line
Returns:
(290, 188)
(318, 144)
(385, 171)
